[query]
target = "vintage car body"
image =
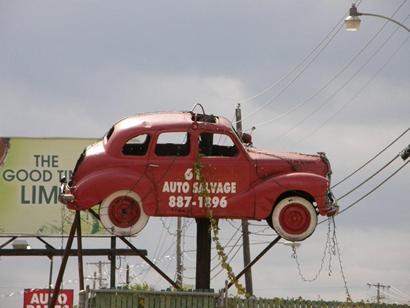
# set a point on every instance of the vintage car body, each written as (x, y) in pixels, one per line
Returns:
(147, 165)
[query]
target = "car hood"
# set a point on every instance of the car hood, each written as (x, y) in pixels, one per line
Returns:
(273, 163)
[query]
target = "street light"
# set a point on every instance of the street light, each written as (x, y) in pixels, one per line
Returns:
(352, 22)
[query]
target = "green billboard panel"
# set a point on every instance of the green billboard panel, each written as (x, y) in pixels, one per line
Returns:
(30, 172)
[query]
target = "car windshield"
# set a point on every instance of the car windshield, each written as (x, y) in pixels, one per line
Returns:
(108, 135)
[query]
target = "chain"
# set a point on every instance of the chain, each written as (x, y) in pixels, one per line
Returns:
(331, 249)
(327, 251)
(337, 249)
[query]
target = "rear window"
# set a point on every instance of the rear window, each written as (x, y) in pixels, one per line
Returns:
(136, 146)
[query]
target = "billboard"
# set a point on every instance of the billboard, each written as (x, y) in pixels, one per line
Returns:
(30, 171)
(39, 298)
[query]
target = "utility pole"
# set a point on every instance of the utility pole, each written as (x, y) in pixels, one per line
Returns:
(179, 265)
(100, 278)
(127, 276)
(378, 286)
(245, 225)
(94, 280)
(99, 274)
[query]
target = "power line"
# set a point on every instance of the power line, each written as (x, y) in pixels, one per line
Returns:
(355, 96)
(291, 82)
(371, 159)
(295, 68)
(229, 252)
(343, 85)
(374, 189)
(400, 292)
(336, 76)
(229, 261)
(370, 192)
(393, 297)
(369, 178)
(329, 37)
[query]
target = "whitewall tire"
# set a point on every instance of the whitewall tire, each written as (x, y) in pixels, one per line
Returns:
(294, 218)
(122, 214)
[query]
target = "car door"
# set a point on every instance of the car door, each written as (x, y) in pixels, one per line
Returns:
(226, 170)
(169, 160)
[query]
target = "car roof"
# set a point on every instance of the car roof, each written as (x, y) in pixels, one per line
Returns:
(169, 120)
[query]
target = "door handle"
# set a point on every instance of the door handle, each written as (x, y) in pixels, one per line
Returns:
(153, 165)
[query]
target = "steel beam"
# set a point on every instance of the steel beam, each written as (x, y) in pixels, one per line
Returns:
(72, 253)
(260, 255)
(8, 242)
(57, 286)
(203, 254)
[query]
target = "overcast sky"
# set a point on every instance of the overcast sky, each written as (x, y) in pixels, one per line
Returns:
(73, 68)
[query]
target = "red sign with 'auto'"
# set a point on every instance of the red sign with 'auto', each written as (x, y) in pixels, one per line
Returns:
(39, 298)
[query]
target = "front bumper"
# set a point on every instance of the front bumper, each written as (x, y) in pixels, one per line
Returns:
(65, 196)
(332, 207)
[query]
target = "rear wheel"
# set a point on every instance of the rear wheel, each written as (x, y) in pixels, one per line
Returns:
(121, 213)
(294, 218)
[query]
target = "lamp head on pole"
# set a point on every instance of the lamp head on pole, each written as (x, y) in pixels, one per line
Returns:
(352, 22)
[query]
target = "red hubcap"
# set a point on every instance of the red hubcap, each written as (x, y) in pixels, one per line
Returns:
(294, 218)
(124, 212)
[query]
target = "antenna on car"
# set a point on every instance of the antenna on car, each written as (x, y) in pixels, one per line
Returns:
(195, 114)
(202, 117)
(196, 105)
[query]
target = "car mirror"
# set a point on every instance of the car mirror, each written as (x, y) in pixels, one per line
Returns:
(247, 138)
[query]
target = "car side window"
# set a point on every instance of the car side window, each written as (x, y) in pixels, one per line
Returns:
(136, 146)
(216, 145)
(172, 144)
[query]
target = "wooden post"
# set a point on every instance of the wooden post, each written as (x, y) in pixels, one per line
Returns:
(245, 225)
(179, 265)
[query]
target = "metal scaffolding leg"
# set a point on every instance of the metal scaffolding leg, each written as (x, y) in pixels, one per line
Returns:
(256, 259)
(203, 254)
(8, 242)
(57, 286)
(150, 263)
(80, 254)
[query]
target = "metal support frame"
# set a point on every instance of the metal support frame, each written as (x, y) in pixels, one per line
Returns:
(113, 257)
(50, 251)
(77, 226)
(57, 286)
(203, 254)
(80, 254)
(150, 263)
(256, 259)
(73, 252)
(8, 242)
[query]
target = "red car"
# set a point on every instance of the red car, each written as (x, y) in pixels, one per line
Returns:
(146, 166)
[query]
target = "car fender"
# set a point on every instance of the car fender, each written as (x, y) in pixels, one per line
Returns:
(94, 188)
(268, 192)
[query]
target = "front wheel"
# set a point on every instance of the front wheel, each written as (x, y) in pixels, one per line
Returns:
(121, 213)
(294, 218)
